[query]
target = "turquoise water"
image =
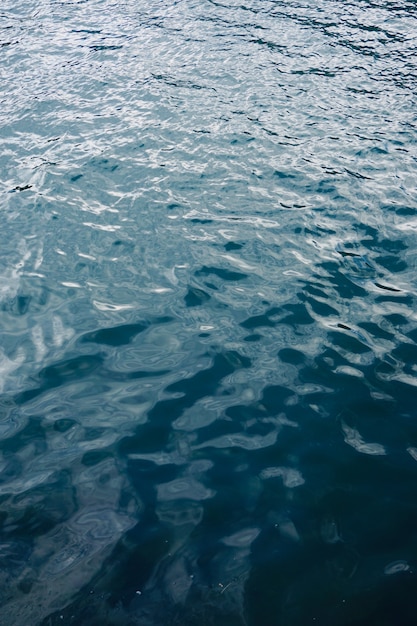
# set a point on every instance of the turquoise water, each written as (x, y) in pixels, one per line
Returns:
(208, 313)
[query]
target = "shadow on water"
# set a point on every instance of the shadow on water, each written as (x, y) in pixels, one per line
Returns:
(288, 506)
(292, 508)
(240, 534)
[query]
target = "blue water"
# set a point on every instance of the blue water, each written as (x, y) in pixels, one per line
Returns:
(208, 312)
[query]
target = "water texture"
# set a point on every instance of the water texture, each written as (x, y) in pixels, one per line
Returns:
(208, 314)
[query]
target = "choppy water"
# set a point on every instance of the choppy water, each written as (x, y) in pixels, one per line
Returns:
(208, 312)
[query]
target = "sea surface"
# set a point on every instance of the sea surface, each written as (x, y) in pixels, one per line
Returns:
(208, 312)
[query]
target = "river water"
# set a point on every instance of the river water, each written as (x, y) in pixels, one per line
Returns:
(208, 312)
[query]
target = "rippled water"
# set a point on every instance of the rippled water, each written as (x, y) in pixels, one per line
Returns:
(208, 310)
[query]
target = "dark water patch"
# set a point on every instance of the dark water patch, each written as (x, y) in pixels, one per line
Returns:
(123, 334)
(153, 435)
(18, 305)
(376, 329)
(342, 283)
(292, 356)
(253, 337)
(401, 299)
(135, 375)
(196, 297)
(298, 315)
(233, 246)
(392, 263)
(348, 343)
(61, 374)
(223, 274)
(321, 308)
(258, 321)
(117, 336)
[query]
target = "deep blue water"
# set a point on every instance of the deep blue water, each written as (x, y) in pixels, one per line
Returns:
(208, 357)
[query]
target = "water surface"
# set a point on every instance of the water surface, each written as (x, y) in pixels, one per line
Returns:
(208, 312)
